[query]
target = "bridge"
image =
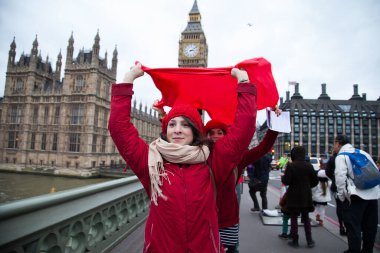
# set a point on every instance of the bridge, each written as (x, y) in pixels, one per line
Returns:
(110, 217)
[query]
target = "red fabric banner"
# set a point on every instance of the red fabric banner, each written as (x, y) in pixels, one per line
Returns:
(214, 89)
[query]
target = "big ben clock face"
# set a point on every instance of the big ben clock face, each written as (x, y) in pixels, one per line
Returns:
(191, 50)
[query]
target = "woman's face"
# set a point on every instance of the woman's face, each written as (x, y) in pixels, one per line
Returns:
(179, 131)
(215, 133)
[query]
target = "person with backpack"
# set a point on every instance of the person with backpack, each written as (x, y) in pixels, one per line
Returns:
(360, 208)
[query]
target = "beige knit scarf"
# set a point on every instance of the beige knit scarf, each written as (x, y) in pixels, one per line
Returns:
(160, 150)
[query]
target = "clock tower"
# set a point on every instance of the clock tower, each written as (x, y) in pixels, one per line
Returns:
(193, 48)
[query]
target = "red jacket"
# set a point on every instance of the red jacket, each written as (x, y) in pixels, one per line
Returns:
(226, 199)
(187, 220)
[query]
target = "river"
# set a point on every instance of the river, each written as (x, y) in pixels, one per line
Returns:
(14, 186)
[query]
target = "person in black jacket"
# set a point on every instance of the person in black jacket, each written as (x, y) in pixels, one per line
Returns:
(259, 182)
(330, 172)
(300, 177)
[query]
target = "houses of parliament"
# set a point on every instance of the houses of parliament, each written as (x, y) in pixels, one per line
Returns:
(49, 122)
(53, 123)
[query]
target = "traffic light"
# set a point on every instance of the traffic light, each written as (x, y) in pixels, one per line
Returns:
(272, 151)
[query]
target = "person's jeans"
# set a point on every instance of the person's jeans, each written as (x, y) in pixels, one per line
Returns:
(360, 218)
(262, 188)
(306, 223)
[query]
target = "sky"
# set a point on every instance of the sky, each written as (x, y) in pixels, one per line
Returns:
(310, 42)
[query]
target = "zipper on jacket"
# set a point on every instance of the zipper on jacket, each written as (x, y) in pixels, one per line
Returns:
(185, 203)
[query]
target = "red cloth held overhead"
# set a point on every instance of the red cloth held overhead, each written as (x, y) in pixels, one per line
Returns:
(214, 89)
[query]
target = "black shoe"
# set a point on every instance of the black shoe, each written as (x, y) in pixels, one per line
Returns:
(294, 241)
(283, 236)
(255, 209)
(342, 231)
(310, 244)
(293, 244)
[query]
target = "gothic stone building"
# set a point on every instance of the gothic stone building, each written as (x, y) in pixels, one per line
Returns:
(316, 122)
(53, 123)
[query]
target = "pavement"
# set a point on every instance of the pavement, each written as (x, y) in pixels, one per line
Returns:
(258, 234)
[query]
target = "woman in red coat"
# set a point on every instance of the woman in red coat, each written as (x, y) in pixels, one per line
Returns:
(177, 169)
(227, 199)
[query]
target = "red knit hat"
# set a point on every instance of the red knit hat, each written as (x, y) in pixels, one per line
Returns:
(215, 124)
(187, 111)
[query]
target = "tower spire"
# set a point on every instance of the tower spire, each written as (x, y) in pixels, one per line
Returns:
(34, 51)
(12, 53)
(70, 51)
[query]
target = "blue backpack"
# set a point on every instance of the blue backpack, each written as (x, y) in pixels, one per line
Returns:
(366, 174)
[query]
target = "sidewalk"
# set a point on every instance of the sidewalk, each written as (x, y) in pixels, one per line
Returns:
(260, 238)
(257, 237)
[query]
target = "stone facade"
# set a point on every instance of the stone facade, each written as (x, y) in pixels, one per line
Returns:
(53, 123)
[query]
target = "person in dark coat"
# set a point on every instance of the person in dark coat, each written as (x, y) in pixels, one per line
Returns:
(300, 177)
(330, 172)
(259, 182)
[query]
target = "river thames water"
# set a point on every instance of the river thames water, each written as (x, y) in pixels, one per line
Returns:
(14, 186)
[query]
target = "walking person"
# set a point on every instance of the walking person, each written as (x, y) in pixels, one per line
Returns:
(178, 170)
(360, 208)
(330, 172)
(300, 177)
(259, 182)
(283, 162)
(321, 195)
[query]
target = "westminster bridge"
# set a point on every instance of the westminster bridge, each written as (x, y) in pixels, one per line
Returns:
(110, 217)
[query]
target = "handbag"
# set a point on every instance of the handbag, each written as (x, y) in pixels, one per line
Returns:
(254, 182)
(283, 200)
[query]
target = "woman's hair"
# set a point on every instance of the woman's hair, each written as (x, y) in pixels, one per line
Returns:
(324, 185)
(198, 137)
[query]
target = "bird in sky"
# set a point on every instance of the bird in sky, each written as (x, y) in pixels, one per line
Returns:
(249, 24)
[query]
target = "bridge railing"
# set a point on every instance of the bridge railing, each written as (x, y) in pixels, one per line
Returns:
(93, 218)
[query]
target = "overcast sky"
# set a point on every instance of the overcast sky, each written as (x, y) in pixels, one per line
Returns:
(311, 42)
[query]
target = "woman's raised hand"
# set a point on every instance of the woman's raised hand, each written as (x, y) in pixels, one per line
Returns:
(134, 72)
(240, 75)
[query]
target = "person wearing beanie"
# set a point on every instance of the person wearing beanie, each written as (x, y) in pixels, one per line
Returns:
(228, 197)
(180, 171)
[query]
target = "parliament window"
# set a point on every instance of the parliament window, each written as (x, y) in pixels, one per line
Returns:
(35, 114)
(43, 141)
(74, 140)
(55, 142)
(15, 114)
(33, 141)
(12, 139)
(19, 87)
(77, 114)
(46, 115)
(79, 83)
(57, 114)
